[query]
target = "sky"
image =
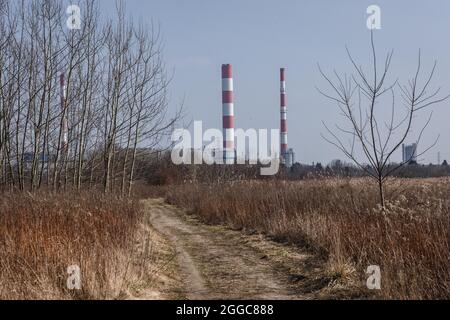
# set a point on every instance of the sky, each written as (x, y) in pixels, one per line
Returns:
(260, 36)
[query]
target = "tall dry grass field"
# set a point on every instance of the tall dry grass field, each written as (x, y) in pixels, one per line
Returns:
(42, 234)
(341, 220)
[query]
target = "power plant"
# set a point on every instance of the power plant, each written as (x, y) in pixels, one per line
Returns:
(290, 158)
(409, 153)
(64, 138)
(283, 119)
(287, 156)
(229, 154)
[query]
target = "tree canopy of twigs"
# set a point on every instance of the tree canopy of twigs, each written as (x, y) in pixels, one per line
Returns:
(115, 104)
(361, 100)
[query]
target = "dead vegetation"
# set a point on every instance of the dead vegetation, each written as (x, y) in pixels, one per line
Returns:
(341, 220)
(42, 234)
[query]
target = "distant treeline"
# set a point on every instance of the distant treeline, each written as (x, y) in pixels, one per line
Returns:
(338, 168)
(164, 172)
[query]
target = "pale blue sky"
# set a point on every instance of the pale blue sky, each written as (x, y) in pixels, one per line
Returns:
(259, 36)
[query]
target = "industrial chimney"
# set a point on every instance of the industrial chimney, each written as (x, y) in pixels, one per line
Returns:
(64, 142)
(228, 114)
(283, 117)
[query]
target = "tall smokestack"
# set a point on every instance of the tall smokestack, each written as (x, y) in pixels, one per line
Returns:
(228, 114)
(64, 141)
(283, 117)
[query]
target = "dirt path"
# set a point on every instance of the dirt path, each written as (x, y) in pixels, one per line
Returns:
(217, 263)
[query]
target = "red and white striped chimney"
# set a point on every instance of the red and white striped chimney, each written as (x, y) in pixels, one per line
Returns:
(64, 141)
(283, 117)
(228, 114)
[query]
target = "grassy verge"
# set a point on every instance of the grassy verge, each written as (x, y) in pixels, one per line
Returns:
(340, 219)
(41, 235)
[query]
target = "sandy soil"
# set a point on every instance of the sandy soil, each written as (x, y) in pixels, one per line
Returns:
(215, 262)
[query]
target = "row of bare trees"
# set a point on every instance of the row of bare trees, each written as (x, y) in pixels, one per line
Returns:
(115, 100)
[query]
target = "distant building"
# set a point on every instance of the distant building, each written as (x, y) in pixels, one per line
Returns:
(42, 159)
(409, 153)
(290, 158)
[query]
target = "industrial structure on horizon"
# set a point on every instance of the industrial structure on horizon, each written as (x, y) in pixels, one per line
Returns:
(287, 156)
(283, 121)
(409, 153)
(229, 153)
(290, 158)
(64, 138)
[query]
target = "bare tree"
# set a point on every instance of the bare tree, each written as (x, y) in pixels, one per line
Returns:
(361, 98)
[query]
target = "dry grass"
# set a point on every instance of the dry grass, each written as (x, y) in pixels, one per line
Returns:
(341, 220)
(42, 234)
